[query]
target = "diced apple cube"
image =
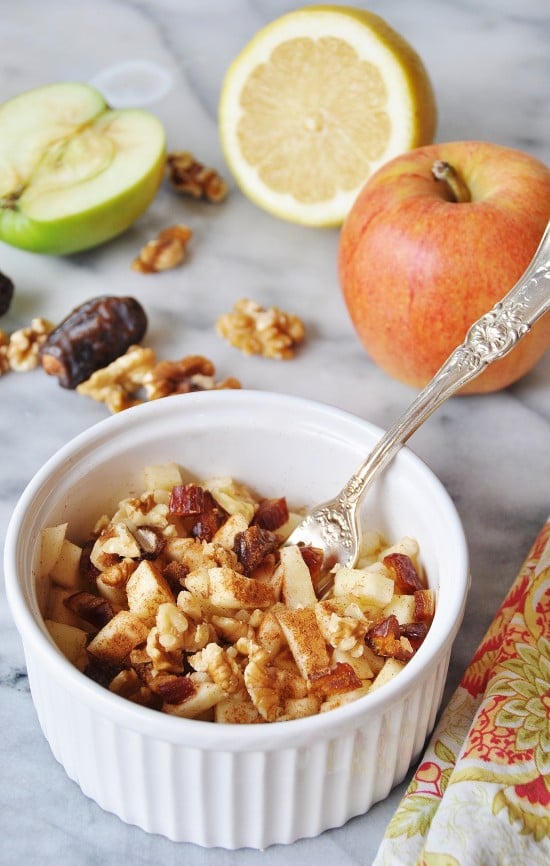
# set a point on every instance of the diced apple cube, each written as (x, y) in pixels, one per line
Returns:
(269, 635)
(304, 639)
(51, 541)
(70, 640)
(233, 497)
(162, 476)
(234, 591)
(370, 584)
(402, 607)
(225, 535)
(389, 670)
(359, 664)
(206, 696)
(146, 590)
(297, 586)
(66, 570)
(58, 611)
(116, 595)
(118, 638)
(237, 711)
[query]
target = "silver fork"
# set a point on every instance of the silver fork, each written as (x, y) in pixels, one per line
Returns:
(334, 526)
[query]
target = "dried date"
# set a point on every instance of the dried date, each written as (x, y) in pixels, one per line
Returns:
(6, 293)
(91, 337)
(253, 545)
(272, 513)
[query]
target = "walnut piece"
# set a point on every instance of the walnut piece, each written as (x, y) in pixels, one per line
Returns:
(4, 343)
(24, 345)
(190, 177)
(192, 373)
(118, 384)
(165, 251)
(257, 330)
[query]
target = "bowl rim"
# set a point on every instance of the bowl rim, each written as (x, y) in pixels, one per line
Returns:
(192, 732)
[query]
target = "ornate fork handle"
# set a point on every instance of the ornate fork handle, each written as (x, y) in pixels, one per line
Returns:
(489, 339)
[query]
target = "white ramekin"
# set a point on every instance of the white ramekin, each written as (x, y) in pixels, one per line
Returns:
(231, 785)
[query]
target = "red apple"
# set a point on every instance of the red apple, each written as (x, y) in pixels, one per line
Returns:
(420, 258)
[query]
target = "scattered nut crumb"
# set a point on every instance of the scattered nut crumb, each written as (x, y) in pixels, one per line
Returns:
(22, 351)
(136, 376)
(256, 330)
(165, 251)
(190, 177)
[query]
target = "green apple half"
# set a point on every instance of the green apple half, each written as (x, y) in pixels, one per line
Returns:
(73, 172)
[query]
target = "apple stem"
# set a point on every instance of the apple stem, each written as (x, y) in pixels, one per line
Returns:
(445, 172)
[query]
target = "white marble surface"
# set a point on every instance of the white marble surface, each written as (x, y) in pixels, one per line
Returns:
(490, 65)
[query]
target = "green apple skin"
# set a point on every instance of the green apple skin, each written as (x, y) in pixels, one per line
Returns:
(79, 232)
(418, 268)
(97, 198)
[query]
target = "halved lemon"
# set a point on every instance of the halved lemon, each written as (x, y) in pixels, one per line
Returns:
(315, 103)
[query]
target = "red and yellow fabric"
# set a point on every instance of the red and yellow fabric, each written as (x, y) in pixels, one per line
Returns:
(481, 793)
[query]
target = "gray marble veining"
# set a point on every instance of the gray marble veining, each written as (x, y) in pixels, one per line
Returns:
(490, 65)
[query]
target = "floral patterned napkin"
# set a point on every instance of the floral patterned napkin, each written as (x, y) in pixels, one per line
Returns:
(481, 794)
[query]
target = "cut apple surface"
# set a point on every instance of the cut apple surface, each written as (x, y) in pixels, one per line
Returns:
(73, 172)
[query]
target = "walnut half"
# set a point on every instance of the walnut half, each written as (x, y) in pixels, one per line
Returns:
(257, 330)
(190, 177)
(165, 251)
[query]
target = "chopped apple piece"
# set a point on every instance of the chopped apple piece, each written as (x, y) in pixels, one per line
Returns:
(233, 497)
(305, 640)
(297, 586)
(402, 607)
(390, 669)
(206, 696)
(146, 590)
(66, 571)
(70, 640)
(58, 611)
(51, 540)
(162, 476)
(233, 591)
(116, 639)
(371, 584)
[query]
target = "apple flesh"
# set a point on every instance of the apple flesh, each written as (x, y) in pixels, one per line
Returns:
(73, 172)
(422, 258)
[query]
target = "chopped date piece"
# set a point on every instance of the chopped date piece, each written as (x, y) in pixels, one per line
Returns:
(424, 605)
(415, 632)
(253, 545)
(385, 639)
(189, 500)
(102, 672)
(271, 513)
(313, 558)
(6, 293)
(96, 333)
(405, 575)
(208, 524)
(174, 689)
(86, 568)
(175, 573)
(341, 678)
(92, 608)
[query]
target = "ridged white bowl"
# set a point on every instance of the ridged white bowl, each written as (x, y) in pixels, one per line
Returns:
(225, 785)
